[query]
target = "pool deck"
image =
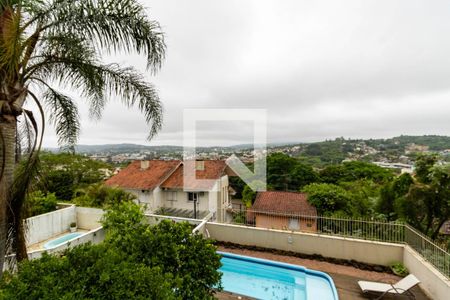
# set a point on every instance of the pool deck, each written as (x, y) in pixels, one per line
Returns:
(40, 245)
(345, 277)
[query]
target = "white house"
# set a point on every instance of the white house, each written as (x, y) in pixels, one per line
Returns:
(161, 184)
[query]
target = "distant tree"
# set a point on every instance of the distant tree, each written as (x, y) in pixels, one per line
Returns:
(355, 170)
(427, 204)
(238, 185)
(423, 166)
(327, 198)
(392, 192)
(102, 196)
(248, 196)
(61, 183)
(39, 203)
(302, 175)
(313, 150)
(363, 195)
(288, 173)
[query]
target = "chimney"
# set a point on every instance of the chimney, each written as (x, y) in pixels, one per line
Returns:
(199, 165)
(145, 164)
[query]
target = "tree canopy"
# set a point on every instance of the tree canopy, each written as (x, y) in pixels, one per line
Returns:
(136, 261)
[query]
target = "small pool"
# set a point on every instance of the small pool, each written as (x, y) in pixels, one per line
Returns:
(266, 279)
(62, 239)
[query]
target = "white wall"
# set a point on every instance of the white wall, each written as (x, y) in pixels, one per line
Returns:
(89, 218)
(436, 285)
(145, 198)
(182, 201)
(328, 246)
(45, 226)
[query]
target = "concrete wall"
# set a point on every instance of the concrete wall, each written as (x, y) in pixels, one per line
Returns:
(89, 218)
(94, 236)
(45, 226)
(436, 285)
(282, 223)
(328, 246)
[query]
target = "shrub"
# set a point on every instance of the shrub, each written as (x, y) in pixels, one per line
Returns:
(40, 203)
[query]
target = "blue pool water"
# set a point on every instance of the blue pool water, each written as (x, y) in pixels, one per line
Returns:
(265, 279)
(56, 242)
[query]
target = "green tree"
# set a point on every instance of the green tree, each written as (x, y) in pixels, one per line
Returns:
(355, 170)
(135, 261)
(61, 183)
(172, 247)
(288, 173)
(102, 196)
(87, 272)
(363, 196)
(391, 193)
(39, 203)
(327, 198)
(248, 196)
(427, 203)
(44, 44)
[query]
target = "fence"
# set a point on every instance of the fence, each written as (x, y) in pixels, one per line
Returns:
(363, 228)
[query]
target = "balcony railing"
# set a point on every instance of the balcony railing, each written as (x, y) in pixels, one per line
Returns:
(361, 228)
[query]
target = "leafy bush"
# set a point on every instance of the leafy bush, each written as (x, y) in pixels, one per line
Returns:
(327, 198)
(191, 259)
(399, 269)
(136, 261)
(39, 203)
(87, 272)
(99, 195)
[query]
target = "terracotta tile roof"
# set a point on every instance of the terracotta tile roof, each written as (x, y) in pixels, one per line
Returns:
(283, 202)
(213, 169)
(133, 177)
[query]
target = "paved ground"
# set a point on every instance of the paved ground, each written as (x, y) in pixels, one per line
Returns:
(345, 277)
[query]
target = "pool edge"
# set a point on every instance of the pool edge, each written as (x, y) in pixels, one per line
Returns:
(285, 266)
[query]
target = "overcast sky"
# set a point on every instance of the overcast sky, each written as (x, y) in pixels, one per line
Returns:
(322, 69)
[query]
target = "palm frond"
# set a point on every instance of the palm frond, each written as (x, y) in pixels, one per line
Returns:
(111, 25)
(11, 42)
(132, 88)
(63, 114)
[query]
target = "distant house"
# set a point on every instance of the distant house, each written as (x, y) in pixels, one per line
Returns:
(283, 210)
(159, 185)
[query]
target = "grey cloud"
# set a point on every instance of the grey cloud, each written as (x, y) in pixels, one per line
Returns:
(321, 69)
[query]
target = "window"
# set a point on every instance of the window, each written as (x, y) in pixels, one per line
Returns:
(192, 196)
(171, 196)
(293, 224)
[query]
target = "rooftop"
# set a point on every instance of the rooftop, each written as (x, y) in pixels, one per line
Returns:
(276, 201)
(136, 177)
(210, 169)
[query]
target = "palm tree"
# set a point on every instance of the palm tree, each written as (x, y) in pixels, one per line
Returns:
(51, 44)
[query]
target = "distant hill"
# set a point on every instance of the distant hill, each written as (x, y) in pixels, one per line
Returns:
(342, 145)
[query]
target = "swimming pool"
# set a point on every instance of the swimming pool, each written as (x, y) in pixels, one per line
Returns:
(266, 279)
(56, 242)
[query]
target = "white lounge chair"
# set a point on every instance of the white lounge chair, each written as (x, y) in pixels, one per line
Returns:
(399, 288)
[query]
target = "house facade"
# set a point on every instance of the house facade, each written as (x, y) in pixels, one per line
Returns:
(283, 210)
(160, 185)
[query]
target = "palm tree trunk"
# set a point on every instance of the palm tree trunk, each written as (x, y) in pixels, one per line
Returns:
(7, 163)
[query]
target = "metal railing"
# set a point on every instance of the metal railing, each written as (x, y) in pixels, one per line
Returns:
(432, 253)
(360, 228)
